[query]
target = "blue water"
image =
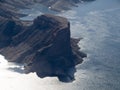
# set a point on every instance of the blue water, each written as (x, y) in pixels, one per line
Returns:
(98, 23)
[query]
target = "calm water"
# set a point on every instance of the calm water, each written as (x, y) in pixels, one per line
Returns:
(98, 23)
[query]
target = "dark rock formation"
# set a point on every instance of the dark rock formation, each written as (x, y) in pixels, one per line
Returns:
(44, 47)
(8, 29)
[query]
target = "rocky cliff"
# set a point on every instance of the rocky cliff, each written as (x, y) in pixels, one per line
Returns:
(44, 45)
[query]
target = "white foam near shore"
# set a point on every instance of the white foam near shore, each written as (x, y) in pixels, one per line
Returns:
(13, 80)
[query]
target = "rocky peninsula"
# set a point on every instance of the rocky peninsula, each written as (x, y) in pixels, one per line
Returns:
(43, 45)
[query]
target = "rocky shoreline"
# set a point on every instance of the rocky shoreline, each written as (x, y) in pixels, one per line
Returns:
(12, 6)
(44, 45)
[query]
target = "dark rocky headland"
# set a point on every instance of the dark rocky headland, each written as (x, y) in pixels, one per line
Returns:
(43, 45)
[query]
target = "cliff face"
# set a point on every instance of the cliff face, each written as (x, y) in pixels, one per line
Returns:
(44, 47)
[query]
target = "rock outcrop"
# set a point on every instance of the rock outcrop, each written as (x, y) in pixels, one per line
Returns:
(44, 47)
(12, 6)
(60, 5)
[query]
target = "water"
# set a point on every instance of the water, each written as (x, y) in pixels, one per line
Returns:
(98, 23)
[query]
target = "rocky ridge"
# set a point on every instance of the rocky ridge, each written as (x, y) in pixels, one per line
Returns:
(44, 45)
(12, 6)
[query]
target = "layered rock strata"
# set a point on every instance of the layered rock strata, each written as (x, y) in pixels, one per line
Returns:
(45, 47)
